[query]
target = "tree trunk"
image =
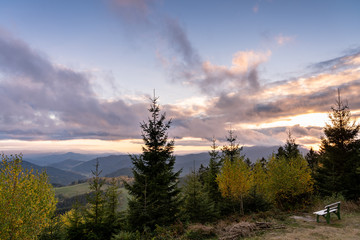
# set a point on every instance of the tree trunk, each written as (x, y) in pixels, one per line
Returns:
(241, 206)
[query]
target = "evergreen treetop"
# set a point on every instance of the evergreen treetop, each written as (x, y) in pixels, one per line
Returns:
(154, 192)
(290, 149)
(233, 149)
(339, 154)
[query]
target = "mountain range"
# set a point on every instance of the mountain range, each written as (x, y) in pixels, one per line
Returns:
(64, 169)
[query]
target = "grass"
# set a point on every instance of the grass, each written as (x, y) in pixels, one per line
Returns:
(82, 188)
(290, 225)
(348, 227)
(72, 190)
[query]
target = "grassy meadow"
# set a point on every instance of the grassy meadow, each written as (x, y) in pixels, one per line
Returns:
(72, 191)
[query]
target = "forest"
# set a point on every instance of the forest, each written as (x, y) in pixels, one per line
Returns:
(161, 205)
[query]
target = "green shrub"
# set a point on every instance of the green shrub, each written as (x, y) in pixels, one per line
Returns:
(199, 232)
(124, 235)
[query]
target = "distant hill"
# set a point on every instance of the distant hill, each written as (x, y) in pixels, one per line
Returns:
(117, 165)
(121, 172)
(107, 164)
(66, 165)
(56, 176)
(186, 162)
(47, 160)
(257, 152)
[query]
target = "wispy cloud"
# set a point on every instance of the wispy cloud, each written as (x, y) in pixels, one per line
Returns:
(281, 39)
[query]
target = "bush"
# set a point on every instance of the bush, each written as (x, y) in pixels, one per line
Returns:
(256, 202)
(347, 206)
(199, 232)
(124, 235)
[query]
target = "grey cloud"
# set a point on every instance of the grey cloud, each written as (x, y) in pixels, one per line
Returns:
(245, 107)
(338, 63)
(266, 108)
(41, 101)
(178, 40)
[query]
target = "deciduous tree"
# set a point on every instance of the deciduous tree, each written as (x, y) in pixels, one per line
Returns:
(288, 181)
(234, 180)
(27, 200)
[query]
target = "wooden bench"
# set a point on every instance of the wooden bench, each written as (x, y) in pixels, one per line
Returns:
(331, 208)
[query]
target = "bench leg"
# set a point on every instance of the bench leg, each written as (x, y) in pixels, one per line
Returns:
(317, 218)
(338, 215)
(327, 216)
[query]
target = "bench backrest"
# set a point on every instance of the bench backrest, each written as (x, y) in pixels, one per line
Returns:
(332, 205)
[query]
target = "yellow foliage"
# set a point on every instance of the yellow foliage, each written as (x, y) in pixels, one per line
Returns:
(27, 200)
(66, 217)
(234, 179)
(285, 179)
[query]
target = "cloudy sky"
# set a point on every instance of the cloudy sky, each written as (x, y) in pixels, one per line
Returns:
(77, 75)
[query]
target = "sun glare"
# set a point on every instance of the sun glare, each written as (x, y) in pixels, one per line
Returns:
(303, 120)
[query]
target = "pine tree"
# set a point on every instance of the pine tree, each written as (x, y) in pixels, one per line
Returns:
(198, 207)
(154, 192)
(339, 154)
(111, 214)
(215, 164)
(290, 150)
(232, 150)
(94, 214)
(312, 158)
(75, 229)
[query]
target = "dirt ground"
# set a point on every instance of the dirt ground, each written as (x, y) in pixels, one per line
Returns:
(306, 227)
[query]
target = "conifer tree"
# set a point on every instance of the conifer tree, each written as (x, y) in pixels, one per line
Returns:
(312, 158)
(111, 214)
(154, 192)
(290, 149)
(232, 150)
(215, 164)
(339, 154)
(75, 229)
(198, 207)
(94, 214)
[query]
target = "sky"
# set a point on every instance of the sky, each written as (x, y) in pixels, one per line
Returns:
(78, 75)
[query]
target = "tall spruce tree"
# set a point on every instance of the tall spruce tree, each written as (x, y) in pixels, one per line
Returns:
(154, 192)
(312, 158)
(215, 164)
(111, 214)
(233, 149)
(94, 214)
(339, 154)
(198, 206)
(290, 149)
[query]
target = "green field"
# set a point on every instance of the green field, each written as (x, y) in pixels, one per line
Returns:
(82, 188)
(72, 190)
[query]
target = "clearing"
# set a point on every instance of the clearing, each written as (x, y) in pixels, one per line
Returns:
(304, 226)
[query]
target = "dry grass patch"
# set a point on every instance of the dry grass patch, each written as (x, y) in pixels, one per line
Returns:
(305, 228)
